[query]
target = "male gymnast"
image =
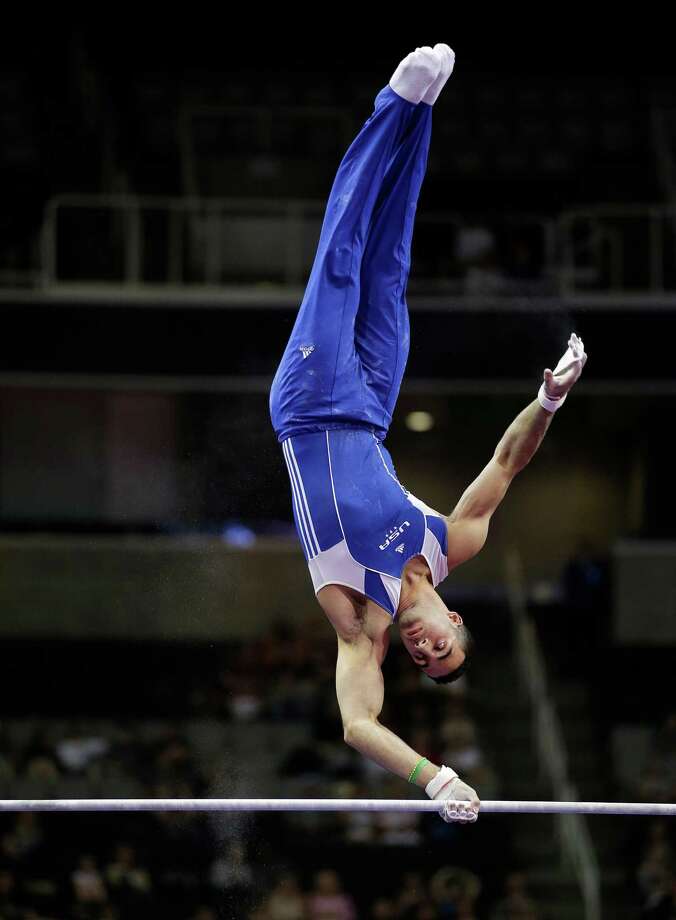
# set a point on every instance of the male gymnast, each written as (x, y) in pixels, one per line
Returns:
(376, 552)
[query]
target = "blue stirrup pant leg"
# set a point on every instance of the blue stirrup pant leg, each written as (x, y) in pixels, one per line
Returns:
(330, 376)
(382, 333)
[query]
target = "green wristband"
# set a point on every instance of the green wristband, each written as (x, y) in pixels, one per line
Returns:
(416, 770)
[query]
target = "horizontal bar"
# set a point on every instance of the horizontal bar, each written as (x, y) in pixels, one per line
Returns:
(386, 805)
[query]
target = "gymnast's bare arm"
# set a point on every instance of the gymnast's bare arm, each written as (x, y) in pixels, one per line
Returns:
(467, 525)
(363, 639)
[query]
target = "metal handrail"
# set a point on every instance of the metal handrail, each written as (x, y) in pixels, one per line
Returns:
(199, 224)
(610, 224)
(596, 238)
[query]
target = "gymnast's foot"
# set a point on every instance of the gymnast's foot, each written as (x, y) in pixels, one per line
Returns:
(447, 57)
(417, 73)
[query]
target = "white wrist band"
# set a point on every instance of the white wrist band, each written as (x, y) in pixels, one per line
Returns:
(437, 783)
(551, 404)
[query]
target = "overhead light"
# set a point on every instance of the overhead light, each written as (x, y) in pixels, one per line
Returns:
(419, 421)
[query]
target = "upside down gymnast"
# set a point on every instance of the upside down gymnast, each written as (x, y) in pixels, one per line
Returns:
(376, 552)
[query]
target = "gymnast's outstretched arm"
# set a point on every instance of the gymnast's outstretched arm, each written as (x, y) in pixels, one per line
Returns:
(360, 690)
(467, 525)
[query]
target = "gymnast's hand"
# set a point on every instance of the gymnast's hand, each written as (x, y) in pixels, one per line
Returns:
(559, 381)
(459, 802)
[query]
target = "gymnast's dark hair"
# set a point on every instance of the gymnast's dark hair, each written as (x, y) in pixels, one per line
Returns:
(467, 643)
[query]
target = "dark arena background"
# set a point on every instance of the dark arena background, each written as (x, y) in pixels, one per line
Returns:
(162, 193)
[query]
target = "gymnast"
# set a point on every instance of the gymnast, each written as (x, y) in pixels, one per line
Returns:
(376, 552)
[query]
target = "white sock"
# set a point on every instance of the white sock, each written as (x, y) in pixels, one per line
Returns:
(416, 73)
(447, 56)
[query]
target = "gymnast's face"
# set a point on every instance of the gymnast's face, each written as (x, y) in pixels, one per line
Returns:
(431, 637)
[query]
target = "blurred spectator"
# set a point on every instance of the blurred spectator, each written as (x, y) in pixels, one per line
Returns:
(665, 742)
(39, 779)
(661, 904)
(397, 828)
(425, 911)
(658, 861)
(183, 846)
(466, 910)
(282, 648)
(130, 884)
(7, 769)
(665, 750)
(428, 742)
(412, 893)
(658, 776)
(655, 784)
(327, 900)
(515, 903)
(89, 887)
(453, 888)
(76, 753)
(461, 750)
(476, 254)
(9, 907)
(173, 762)
(244, 701)
(522, 263)
(291, 696)
(584, 580)
(457, 728)
(259, 913)
(304, 760)
(383, 909)
(358, 826)
(24, 839)
(286, 900)
(204, 913)
(232, 873)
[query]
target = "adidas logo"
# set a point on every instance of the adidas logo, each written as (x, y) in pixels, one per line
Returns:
(306, 350)
(400, 548)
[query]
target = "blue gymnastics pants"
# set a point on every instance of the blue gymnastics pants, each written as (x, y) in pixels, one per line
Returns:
(345, 359)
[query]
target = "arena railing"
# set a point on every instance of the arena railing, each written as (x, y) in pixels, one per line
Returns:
(576, 847)
(625, 251)
(259, 251)
(192, 244)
